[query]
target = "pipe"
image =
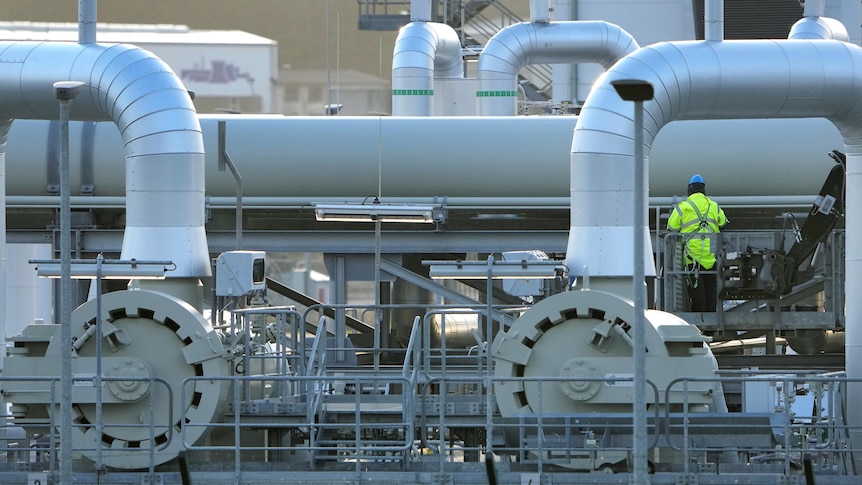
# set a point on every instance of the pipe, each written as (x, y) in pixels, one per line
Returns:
(423, 51)
(713, 20)
(712, 80)
(420, 11)
(789, 202)
(522, 44)
(503, 156)
(156, 119)
(565, 76)
(86, 21)
(540, 11)
(813, 24)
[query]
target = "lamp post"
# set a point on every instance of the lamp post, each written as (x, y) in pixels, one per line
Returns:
(638, 91)
(65, 92)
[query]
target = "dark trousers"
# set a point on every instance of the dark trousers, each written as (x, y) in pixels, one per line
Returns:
(702, 291)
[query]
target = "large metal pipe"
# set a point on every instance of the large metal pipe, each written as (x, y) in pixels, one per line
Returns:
(711, 80)
(423, 51)
(160, 132)
(522, 44)
(323, 157)
(813, 24)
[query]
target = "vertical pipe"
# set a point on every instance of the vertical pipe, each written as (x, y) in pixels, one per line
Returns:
(420, 11)
(814, 8)
(540, 11)
(713, 20)
(852, 286)
(564, 76)
(86, 21)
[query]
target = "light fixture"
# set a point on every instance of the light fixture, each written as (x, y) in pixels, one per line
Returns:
(497, 269)
(374, 212)
(633, 89)
(110, 269)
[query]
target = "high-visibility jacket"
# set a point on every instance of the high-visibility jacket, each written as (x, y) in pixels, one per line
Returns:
(696, 217)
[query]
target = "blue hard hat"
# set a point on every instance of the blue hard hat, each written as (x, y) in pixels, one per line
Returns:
(696, 179)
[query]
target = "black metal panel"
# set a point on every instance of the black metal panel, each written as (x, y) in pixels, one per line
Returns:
(753, 19)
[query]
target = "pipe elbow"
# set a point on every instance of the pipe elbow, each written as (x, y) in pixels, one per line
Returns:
(431, 47)
(819, 28)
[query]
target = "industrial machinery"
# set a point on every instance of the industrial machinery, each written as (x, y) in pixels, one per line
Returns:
(166, 370)
(546, 387)
(152, 342)
(765, 273)
(583, 338)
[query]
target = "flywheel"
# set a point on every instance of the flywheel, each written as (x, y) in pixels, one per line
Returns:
(151, 344)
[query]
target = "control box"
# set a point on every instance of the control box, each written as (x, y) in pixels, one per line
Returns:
(240, 273)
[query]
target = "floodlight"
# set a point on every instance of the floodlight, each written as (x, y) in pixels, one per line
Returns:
(497, 269)
(633, 89)
(110, 269)
(375, 212)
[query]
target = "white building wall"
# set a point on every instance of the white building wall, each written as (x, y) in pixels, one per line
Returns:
(215, 64)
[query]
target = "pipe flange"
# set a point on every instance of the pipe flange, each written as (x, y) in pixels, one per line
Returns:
(134, 384)
(578, 389)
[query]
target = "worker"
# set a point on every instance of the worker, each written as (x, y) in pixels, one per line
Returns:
(696, 218)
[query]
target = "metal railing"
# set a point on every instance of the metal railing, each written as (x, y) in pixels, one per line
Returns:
(436, 412)
(823, 293)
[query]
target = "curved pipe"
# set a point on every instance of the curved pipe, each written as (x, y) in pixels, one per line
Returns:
(710, 80)
(522, 44)
(813, 24)
(156, 119)
(694, 80)
(423, 51)
(819, 28)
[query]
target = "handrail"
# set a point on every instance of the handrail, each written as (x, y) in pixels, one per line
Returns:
(791, 424)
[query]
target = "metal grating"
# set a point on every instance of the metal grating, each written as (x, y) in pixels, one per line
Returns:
(753, 19)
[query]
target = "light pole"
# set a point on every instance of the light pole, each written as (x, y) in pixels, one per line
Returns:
(65, 92)
(638, 91)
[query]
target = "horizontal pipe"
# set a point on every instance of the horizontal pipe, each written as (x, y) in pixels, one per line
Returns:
(465, 203)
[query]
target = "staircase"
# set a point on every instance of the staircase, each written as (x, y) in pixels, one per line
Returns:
(476, 21)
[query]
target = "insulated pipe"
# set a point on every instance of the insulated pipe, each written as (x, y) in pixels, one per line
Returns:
(713, 20)
(423, 51)
(420, 10)
(813, 24)
(156, 119)
(712, 80)
(507, 157)
(565, 76)
(522, 44)
(86, 21)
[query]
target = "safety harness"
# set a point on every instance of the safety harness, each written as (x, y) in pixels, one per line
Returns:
(705, 225)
